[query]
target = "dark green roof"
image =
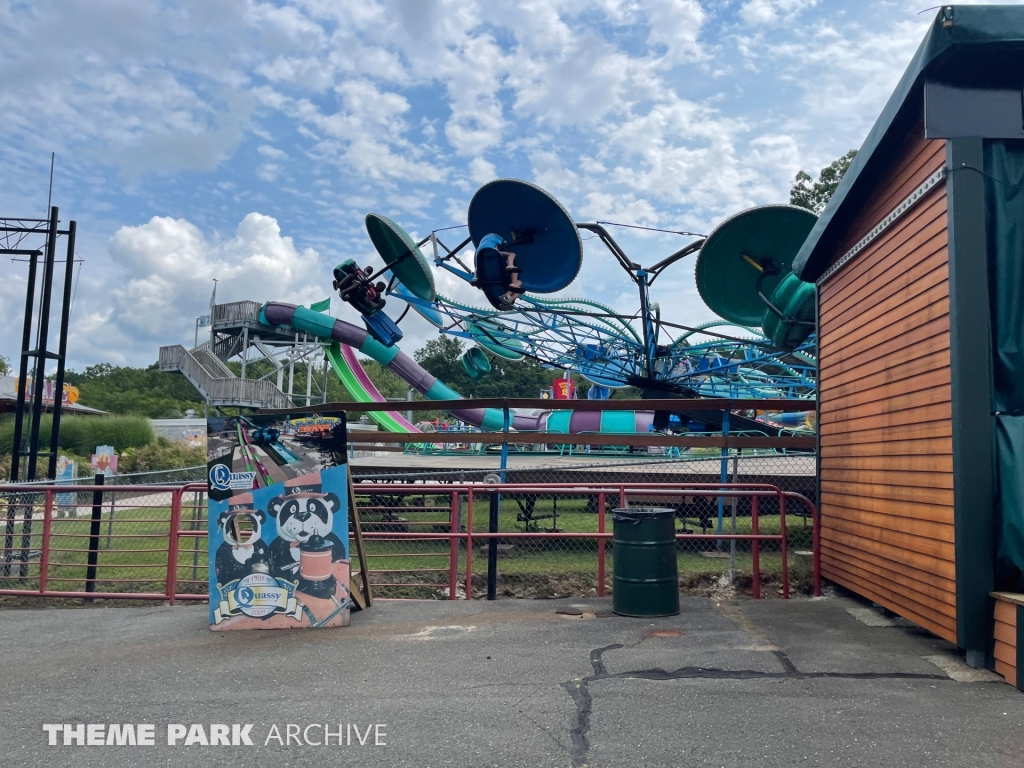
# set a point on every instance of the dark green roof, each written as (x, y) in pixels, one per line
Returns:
(979, 46)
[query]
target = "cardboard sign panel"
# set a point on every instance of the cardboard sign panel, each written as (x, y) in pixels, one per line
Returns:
(278, 524)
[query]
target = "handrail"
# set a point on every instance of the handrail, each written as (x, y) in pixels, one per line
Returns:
(241, 392)
(43, 500)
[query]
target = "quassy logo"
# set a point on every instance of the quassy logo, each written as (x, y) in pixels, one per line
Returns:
(223, 479)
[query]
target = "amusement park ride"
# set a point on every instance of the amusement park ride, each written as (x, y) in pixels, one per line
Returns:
(526, 246)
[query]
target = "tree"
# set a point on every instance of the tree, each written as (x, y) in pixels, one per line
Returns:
(814, 195)
(5, 366)
(507, 378)
(143, 391)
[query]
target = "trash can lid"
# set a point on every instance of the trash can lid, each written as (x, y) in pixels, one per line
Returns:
(639, 514)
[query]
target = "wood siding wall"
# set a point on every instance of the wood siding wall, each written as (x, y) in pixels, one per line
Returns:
(1005, 651)
(885, 401)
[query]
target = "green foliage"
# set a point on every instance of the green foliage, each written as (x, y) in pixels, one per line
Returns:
(80, 435)
(814, 195)
(5, 366)
(508, 378)
(144, 391)
(160, 454)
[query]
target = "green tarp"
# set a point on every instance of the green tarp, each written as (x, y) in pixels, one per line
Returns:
(1004, 197)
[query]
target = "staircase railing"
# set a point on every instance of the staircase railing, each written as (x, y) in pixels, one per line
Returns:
(222, 391)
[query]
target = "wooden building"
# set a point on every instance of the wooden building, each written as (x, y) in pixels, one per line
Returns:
(916, 493)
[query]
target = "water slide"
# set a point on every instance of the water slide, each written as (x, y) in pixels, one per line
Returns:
(350, 338)
(353, 377)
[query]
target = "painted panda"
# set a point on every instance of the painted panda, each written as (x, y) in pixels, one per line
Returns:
(235, 559)
(302, 512)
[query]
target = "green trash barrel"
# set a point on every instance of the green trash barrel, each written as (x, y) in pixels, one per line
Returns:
(646, 581)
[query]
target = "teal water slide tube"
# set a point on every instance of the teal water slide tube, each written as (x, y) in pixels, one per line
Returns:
(344, 334)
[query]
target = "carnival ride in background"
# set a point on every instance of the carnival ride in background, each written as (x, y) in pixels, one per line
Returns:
(526, 246)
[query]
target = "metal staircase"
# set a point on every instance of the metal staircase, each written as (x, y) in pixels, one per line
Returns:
(236, 329)
(220, 390)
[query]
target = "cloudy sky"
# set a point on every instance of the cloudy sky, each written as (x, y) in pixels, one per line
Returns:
(246, 140)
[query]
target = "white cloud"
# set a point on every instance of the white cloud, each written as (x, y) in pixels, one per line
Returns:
(770, 12)
(167, 269)
(481, 171)
(671, 113)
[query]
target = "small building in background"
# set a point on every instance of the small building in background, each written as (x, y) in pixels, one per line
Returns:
(9, 399)
(192, 431)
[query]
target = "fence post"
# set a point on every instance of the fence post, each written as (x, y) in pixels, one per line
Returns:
(724, 473)
(601, 504)
(172, 545)
(195, 539)
(12, 511)
(469, 544)
(816, 548)
(44, 557)
(94, 535)
(492, 549)
(453, 547)
(755, 546)
(110, 519)
(785, 544)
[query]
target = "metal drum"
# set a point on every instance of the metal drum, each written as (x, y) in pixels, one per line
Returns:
(646, 581)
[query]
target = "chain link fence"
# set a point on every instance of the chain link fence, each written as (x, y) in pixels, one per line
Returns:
(121, 539)
(564, 562)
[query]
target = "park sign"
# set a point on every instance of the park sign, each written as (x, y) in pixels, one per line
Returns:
(104, 461)
(68, 395)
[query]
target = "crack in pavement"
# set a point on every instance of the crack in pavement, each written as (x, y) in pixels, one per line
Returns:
(579, 689)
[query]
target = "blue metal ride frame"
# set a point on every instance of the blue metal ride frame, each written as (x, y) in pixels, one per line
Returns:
(594, 340)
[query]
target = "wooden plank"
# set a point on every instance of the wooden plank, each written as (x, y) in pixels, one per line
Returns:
(936, 587)
(926, 553)
(933, 530)
(847, 372)
(932, 504)
(1005, 633)
(939, 446)
(919, 161)
(895, 463)
(939, 624)
(900, 247)
(916, 361)
(839, 357)
(922, 309)
(1008, 672)
(944, 604)
(878, 321)
(859, 520)
(913, 564)
(1006, 612)
(891, 263)
(915, 161)
(924, 580)
(919, 431)
(899, 422)
(937, 376)
(889, 477)
(879, 298)
(933, 396)
(1006, 654)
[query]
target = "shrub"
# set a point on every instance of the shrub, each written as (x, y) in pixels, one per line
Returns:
(81, 434)
(160, 454)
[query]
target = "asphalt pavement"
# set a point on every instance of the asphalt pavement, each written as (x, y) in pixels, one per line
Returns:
(510, 683)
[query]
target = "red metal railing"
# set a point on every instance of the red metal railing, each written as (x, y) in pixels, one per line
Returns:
(23, 506)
